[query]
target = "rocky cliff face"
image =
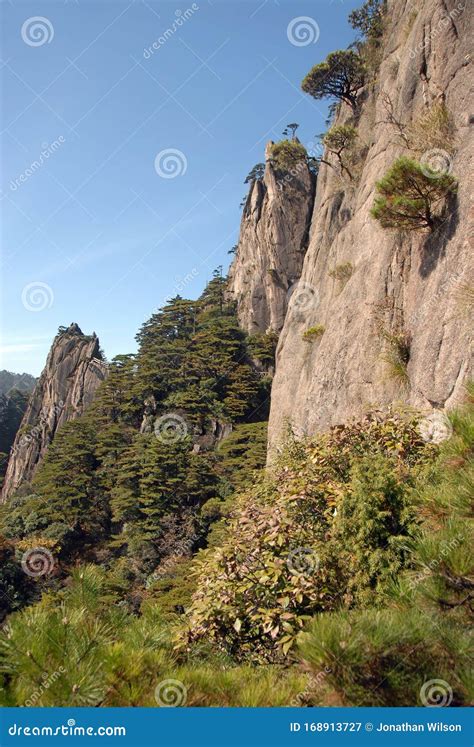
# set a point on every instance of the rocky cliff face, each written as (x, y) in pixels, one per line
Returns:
(74, 369)
(369, 287)
(272, 244)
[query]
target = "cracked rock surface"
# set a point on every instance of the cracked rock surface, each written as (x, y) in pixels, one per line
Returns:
(74, 369)
(411, 284)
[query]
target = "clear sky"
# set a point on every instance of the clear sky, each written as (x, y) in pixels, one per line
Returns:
(97, 227)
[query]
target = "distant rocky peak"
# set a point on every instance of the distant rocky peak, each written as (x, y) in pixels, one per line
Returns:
(74, 369)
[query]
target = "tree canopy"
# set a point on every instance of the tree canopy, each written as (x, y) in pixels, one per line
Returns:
(340, 76)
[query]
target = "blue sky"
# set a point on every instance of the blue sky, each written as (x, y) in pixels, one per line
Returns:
(91, 232)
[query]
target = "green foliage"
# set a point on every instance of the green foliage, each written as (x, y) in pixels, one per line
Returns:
(368, 19)
(290, 129)
(157, 479)
(193, 357)
(262, 347)
(340, 76)
(288, 155)
(109, 484)
(384, 656)
(397, 354)
(255, 173)
(342, 273)
(83, 649)
(67, 505)
(281, 561)
(409, 194)
(169, 591)
(339, 141)
(15, 585)
(242, 453)
(12, 409)
(314, 333)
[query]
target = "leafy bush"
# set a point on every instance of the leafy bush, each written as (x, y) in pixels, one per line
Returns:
(409, 194)
(287, 552)
(313, 333)
(384, 657)
(340, 76)
(288, 155)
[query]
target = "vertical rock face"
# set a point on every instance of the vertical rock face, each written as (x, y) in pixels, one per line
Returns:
(74, 369)
(272, 244)
(415, 285)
